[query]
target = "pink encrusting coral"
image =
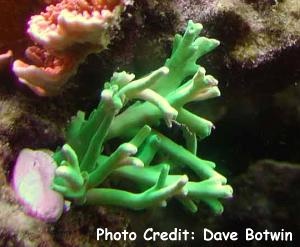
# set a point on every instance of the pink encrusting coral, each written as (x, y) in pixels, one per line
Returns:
(32, 179)
(65, 34)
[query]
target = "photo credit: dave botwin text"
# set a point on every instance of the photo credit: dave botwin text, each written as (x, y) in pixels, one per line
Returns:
(204, 235)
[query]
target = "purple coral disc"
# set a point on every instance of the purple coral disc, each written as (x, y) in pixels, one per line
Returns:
(33, 174)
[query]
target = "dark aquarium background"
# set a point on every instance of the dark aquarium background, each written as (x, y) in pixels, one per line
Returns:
(255, 143)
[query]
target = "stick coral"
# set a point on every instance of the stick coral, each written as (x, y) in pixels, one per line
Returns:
(65, 34)
(149, 158)
(187, 49)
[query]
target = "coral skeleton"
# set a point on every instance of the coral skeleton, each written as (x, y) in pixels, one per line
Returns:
(132, 110)
(58, 33)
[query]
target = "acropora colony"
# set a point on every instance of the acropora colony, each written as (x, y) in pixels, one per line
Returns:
(132, 110)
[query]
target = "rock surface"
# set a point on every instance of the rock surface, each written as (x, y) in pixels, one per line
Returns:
(266, 197)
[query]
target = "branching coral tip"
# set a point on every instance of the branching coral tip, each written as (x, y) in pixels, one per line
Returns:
(78, 169)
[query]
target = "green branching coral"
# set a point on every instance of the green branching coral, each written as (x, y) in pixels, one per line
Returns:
(161, 95)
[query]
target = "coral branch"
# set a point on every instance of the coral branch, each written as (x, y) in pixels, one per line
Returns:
(208, 191)
(120, 157)
(172, 87)
(156, 195)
